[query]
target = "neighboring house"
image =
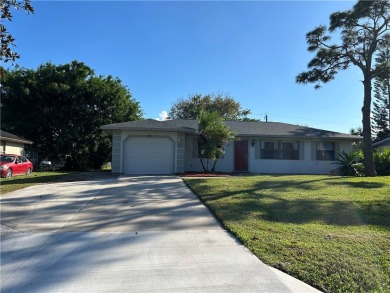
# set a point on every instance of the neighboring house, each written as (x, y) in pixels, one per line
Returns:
(166, 147)
(12, 144)
(383, 144)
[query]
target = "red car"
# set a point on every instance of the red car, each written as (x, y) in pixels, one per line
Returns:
(11, 165)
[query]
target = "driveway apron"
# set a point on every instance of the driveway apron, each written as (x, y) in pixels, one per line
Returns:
(131, 234)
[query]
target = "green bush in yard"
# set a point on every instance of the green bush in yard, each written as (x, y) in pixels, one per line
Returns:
(350, 163)
(382, 162)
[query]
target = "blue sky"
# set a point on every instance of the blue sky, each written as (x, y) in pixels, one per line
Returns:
(164, 51)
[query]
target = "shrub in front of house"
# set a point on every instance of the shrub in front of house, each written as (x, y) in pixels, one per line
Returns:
(350, 163)
(382, 162)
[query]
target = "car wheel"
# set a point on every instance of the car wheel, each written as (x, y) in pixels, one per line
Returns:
(28, 172)
(9, 174)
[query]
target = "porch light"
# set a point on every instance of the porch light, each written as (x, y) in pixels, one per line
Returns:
(253, 142)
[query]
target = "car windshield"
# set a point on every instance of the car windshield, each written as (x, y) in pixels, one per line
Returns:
(7, 159)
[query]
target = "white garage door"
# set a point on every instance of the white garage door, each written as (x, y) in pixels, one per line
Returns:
(148, 155)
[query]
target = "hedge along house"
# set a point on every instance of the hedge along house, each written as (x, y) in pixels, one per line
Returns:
(167, 147)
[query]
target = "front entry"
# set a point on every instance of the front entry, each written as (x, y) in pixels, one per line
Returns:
(241, 156)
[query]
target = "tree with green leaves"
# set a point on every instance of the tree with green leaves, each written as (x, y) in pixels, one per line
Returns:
(364, 32)
(381, 111)
(7, 40)
(61, 108)
(226, 106)
(356, 131)
(213, 134)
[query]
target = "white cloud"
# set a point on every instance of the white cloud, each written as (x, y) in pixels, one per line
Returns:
(163, 116)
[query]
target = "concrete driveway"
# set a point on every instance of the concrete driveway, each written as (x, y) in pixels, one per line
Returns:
(131, 234)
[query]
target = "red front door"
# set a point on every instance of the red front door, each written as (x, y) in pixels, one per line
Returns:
(241, 156)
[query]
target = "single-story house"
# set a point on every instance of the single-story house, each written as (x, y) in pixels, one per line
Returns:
(166, 147)
(383, 144)
(12, 144)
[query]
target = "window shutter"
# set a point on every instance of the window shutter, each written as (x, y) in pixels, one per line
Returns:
(313, 150)
(257, 149)
(195, 150)
(301, 150)
(336, 150)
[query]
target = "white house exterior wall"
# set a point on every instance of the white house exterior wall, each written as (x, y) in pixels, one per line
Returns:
(180, 152)
(116, 160)
(14, 148)
(194, 165)
(305, 165)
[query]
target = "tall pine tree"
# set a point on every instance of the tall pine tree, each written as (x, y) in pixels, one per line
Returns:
(363, 31)
(381, 111)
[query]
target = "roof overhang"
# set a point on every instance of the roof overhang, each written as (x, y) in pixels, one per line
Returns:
(23, 141)
(110, 130)
(273, 130)
(291, 137)
(380, 143)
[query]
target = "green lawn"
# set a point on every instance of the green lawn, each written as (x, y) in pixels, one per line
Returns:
(331, 232)
(18, 182)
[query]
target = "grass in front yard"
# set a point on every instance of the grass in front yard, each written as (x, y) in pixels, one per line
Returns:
(19, 182)
(330, 232)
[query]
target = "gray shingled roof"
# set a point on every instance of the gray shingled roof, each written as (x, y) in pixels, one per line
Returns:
(148, 124)
(382, 142)
(240, 128)
(4, 135)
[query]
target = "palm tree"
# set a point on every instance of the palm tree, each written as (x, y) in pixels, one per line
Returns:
(213, 134)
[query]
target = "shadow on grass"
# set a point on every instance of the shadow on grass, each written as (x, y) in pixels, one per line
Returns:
(32, 179)
(12, 184)
(300, 211)
(267, 200)
(361, 184)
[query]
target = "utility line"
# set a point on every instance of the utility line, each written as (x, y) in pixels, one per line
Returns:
(300, 118)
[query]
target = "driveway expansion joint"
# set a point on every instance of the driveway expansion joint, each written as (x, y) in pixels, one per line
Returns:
(163, 239)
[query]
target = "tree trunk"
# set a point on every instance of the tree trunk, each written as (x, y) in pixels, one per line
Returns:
(213, 168)
(388, 101)
(204, 168)
(369, 164)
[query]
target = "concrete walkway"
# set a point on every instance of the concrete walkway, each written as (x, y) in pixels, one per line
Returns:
(131, 234)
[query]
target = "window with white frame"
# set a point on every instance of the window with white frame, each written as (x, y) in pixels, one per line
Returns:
(269, 150)
(325, 151)
(279, 150)
(196, 150)
(289, 150)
